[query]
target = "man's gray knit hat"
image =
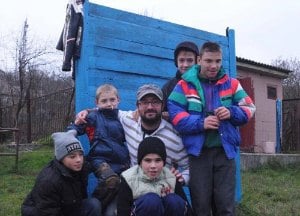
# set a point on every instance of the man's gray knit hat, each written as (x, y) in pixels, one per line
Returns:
(65, 143)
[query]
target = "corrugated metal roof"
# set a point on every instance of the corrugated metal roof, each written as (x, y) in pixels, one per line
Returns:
(247, 61)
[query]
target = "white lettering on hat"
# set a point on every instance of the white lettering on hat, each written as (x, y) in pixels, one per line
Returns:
(73, 147)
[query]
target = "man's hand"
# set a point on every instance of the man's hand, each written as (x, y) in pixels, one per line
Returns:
(211, 122)
(80, 117)
(178, 175)
(222, 113)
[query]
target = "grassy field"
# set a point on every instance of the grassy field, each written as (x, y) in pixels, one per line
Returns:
(14, 186)
(270, 190)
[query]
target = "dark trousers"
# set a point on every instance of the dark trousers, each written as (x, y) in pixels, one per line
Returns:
(212, 183)
(151, 204)
(91, 207)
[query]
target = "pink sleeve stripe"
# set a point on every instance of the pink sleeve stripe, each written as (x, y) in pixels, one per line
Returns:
(178, 117)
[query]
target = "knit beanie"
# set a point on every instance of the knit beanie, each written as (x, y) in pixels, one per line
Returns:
(65, 143)
(151, 145)
(186, 45)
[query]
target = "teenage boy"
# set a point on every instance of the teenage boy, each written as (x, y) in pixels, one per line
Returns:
(207, 107)
(185, 56)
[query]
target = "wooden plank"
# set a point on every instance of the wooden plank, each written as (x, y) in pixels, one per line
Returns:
(124, 17)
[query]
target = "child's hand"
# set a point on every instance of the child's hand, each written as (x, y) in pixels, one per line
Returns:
(165, 116)
(80, 117)
(222, 113)
(211, 122)
(178, 175)
(165, 191)
(136, 115)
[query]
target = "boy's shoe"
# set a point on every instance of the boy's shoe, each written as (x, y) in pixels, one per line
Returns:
(112, 181)
(106, 174)
(108, 184)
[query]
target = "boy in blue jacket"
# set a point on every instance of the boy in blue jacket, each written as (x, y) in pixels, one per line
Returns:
(108, 153)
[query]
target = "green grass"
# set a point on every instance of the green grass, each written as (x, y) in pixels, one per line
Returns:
(14, 186)
(271, 190)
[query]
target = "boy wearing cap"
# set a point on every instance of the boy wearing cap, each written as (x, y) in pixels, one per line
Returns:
(185, 56)
(60, 188)
(150, 188)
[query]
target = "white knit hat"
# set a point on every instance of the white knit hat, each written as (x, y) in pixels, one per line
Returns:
(65, 143)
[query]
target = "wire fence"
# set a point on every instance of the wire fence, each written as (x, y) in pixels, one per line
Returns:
(41, 116)
(291, 125)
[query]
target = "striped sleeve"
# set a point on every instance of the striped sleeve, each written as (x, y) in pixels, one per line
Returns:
(183, 121)
(242, 99)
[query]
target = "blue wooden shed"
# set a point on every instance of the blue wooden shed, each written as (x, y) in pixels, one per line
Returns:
(129, 50)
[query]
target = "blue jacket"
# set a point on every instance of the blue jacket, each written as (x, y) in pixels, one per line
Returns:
(186, 106)
(107, 139)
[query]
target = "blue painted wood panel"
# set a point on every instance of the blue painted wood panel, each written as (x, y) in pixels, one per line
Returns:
(128, 50)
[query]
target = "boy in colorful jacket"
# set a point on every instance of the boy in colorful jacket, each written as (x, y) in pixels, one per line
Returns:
(206, 107)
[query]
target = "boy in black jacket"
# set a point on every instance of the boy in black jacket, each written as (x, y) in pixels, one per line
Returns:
(60, 188)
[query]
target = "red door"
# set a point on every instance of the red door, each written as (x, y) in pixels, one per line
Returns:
(248, 131)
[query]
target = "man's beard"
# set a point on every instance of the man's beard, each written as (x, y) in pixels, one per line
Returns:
(151, 121)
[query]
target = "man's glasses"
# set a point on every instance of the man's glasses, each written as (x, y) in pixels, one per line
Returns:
(155, 103)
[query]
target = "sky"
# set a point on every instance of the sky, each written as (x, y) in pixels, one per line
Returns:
(265, 30)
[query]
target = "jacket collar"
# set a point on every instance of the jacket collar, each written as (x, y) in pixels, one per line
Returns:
(193, 74)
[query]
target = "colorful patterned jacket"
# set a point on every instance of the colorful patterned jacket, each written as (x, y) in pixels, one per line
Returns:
(186, 106)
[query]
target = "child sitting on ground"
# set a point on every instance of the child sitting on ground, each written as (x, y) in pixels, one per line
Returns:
(60, 188)
(150, 188)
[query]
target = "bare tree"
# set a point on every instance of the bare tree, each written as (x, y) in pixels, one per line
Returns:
(24, 65)
(291, 85)
(290, 105)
